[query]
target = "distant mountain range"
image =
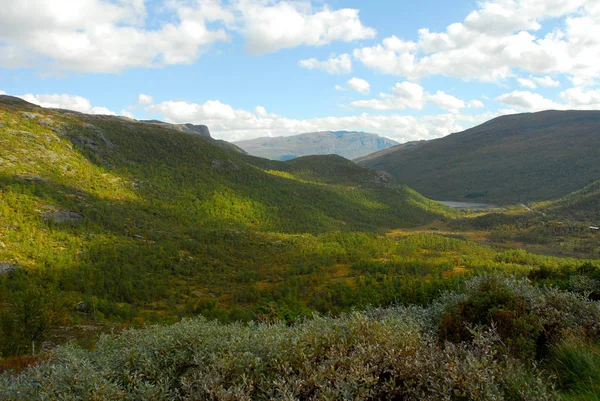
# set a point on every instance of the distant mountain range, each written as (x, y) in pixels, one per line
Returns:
(348, 144)
(516, 158)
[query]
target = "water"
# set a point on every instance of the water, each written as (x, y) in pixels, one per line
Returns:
(467, 205)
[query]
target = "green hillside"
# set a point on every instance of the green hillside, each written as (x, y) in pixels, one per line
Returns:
(109, 223)
(582, 205)
(139, 219)
(510, 159)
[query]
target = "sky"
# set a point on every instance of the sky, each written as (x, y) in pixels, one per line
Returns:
(253, 68)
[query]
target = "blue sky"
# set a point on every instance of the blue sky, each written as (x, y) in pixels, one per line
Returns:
(251, 68)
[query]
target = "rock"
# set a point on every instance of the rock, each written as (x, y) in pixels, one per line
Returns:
(46, 122)
(200, 130)
(47, 346)
(382, 178)
(224, 165)
(7, 268)
(30, 178)
(31, 116)
(82, 307)
(64, 216)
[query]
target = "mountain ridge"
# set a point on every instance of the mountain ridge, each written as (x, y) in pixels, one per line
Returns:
(349, 144)
(515, 158)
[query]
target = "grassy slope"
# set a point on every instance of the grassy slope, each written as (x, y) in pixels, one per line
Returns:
(518, 158)
(582, 205)
(169, 215)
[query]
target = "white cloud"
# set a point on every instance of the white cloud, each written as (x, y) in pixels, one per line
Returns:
(447, 102)
(108, 36)
(340, 88)
(126, 113)
(528, 101)
(411, 95)
(476, 104)
(547, 82)
(69, 102)
(341, 64)
(145, 99)
(285, 24)
(359, 85)
(527, 83)
(579, 98)
(497, 39)
(104, 36)
(2, 92)
(238, 124)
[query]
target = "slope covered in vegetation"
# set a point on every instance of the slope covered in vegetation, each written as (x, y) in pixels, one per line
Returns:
(138, 220)
(497, 339)
(510, 159)
(582, 205)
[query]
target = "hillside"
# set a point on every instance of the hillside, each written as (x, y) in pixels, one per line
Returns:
(582, 205)
(146, 221)
(510, 159)
(344, 143)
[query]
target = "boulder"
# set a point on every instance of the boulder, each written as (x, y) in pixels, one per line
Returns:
(7, 268)
(64, 216)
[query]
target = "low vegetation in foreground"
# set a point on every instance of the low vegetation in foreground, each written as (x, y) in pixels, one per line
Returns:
(499, 338)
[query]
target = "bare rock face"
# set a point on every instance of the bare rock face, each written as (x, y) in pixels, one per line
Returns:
(64, 216)
(7, 268)
(201, 130)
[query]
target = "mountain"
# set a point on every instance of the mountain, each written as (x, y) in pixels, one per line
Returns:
(386, 151)
(344, 143)
(148, 219)
(516, 158)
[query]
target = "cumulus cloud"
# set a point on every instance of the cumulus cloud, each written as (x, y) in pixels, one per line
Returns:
(107, 36)
(581, 98)
(285, 24)
(528, 101)
(145, 99)
(359, 85)
(104, 36)
(341, 64)
(69, 102)
(476, 104)
(527, 83)
(2, 92)
(127, 114)
(547, 82)
(497, 39)
(411, 95)
(231, 124)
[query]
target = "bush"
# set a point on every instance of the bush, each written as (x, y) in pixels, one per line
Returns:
(382, 353)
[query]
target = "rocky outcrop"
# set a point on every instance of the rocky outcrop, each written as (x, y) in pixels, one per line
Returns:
(64, 216)
(7, 268)
(200, 130)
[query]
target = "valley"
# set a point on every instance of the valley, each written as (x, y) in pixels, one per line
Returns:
(110, 224)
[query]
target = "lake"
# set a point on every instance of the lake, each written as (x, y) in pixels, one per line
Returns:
(467, 205)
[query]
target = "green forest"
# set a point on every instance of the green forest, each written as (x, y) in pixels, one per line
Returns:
(109, 226)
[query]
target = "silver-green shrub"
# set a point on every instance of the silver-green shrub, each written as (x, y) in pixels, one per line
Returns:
(379, 354)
